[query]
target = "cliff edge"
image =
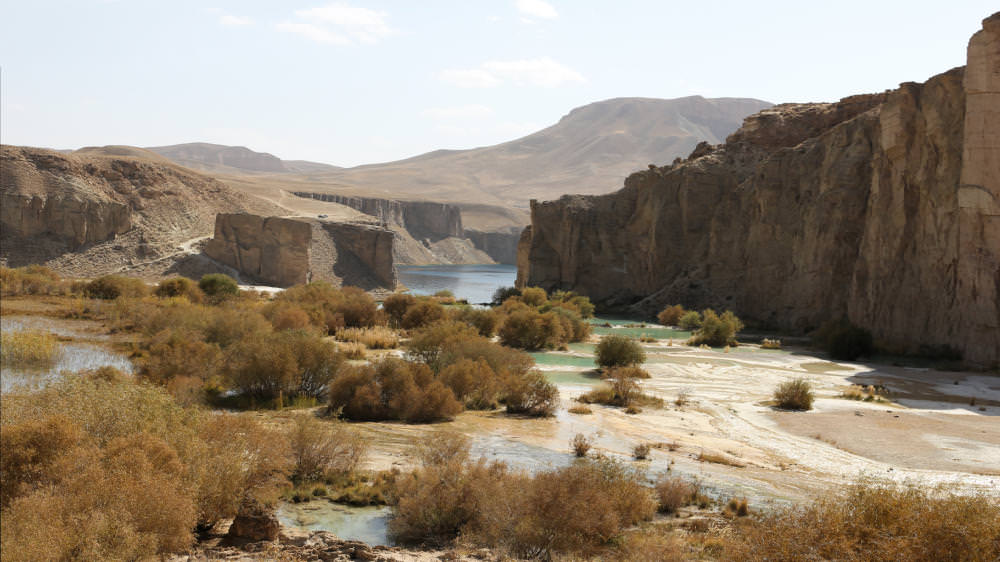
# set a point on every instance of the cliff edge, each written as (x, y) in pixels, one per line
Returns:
(883, 208)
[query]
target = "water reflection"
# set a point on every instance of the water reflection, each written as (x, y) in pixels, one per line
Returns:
(475, 283)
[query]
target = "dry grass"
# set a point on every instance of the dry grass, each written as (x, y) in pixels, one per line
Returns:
(875, 521)
(354, 351)
(736, 508)
(375, 337)
(28, 349)
(865, 393)
(641, 451)
(719, 459)
(581, 410)
(674, 492)
(580, 444)
(770, 344)
(794, 395)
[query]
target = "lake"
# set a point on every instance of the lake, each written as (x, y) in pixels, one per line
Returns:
(475, 283)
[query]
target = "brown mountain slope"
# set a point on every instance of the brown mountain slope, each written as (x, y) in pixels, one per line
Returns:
(882, 208)
(590, 150)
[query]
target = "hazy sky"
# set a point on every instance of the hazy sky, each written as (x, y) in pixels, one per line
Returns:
(357, 82)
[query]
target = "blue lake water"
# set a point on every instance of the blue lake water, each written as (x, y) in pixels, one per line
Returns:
(475, 283)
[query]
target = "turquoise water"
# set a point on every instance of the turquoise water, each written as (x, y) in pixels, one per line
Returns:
(562, 359)
(366, 524)
(475, 283)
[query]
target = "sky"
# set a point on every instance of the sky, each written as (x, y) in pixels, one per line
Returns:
(355, 82)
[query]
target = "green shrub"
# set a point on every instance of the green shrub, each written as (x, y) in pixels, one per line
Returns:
(843, 340)
(572, 301)
(794, 395)
(218, 286)
(179, 287)
(690, 320)
(111, 287)
(717, 330)
(619, 351)
(528, 329)
(671, 315)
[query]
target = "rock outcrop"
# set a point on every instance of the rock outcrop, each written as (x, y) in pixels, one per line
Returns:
(273, 250)
(288, 251)
(882, 208)
(94, 212)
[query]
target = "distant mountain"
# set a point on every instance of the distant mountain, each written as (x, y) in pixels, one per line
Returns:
(223, 159)
(591, 150)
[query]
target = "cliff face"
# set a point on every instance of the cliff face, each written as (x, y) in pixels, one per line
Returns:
(284, 252)
(422, 219)
(270, 249)
(499, 245)
(883, 208)
(92, 213)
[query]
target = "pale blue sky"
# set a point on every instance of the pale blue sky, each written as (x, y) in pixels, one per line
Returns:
(365, 81)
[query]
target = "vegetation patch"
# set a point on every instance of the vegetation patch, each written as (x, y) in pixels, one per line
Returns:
(619, 351)
(794, 395)
(29, 348)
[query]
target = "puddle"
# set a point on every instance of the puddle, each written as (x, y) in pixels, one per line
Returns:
(71, 357)
(365, 524)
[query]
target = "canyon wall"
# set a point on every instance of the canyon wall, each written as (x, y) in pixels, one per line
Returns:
(500, 245)
(422, 219)
(882, 208)
(74, 220)
(288, 251)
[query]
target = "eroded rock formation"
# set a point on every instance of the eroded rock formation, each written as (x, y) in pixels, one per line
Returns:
(884, 208)
(422, 219)
(289, 251)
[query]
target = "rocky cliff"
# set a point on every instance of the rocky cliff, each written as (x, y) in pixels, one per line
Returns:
(289, 251)
(93, 213)
(430, 232)
(422, 219)
(883, 208)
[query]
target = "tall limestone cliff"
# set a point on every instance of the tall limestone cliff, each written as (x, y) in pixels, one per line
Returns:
(884, 208)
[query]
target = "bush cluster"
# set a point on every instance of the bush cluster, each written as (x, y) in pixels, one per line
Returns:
(392, 389)
(110, 287)
(873, 520)
(794, 395)
(332, 308)
(100, 467)
(717, 330)
(532, 320)
(671, 315)
(32, 280)
(619, 351)
(574, 510)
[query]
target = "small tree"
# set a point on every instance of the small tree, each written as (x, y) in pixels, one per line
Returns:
(619, 351)
(504, 293)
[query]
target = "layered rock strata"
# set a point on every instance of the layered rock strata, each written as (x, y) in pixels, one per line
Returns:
(288, 251)
(882, 208)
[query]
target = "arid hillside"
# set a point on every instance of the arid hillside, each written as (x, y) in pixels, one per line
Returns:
(590, 150)
(881, 208)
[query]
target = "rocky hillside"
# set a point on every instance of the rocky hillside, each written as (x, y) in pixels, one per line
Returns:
(884, 208)
(124, 210)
